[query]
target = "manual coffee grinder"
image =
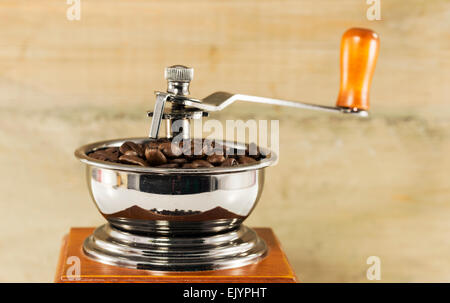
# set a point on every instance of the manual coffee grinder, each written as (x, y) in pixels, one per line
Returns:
(213, 202)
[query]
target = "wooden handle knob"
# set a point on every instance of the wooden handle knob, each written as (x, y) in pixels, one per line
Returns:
(359, 51)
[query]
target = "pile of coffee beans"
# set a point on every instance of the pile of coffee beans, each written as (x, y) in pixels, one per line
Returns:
(195, 153)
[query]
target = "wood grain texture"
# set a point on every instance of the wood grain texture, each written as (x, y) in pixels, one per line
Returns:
(274, 268)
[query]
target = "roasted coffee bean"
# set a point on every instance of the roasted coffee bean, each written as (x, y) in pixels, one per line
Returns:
(215, 159)
(202, 163)
(229, 162)
(99, 155)
(155, 157)
(178, 160)
(153, 144)
(109, 154)
(246, 160)
(169, 165)
(131, 153)
(170, 150)
(112, 150)
(113, 154)
(132, 149)
(133, 160)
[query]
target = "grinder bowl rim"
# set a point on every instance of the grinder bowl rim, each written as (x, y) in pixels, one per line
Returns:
(82, 154)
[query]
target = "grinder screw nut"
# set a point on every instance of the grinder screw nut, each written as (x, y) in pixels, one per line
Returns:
(179, 73)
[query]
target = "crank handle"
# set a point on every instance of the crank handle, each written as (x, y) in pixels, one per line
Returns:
(359, 52)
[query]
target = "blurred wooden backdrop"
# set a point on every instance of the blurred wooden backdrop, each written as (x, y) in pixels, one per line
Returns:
(117, 51)
(374, 188)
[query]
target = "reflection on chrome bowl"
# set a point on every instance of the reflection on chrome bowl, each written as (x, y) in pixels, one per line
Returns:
(172, 201)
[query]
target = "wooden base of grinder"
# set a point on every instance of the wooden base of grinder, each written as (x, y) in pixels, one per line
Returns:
(74, 266)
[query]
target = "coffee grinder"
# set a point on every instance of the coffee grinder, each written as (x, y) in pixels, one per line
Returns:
(208, 234)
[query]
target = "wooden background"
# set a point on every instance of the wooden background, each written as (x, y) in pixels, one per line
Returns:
(343, 190)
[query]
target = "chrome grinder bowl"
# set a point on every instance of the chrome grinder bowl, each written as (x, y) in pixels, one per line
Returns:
(173, 218)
